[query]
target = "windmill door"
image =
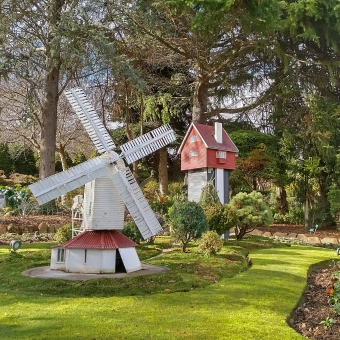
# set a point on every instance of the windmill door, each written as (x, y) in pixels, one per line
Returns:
(130, 259)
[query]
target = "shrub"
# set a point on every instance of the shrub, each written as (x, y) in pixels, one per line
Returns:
(251, 212)
(209, 195)
(220, 217)
(64, 233)
(131, 231)
(210, 243)
(187, 221)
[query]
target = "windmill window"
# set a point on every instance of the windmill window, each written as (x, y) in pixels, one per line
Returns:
(193, 139)
(221, 154)
(193, 153)
(61, 255)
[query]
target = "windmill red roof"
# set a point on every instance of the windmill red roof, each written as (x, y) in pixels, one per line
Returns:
(207, 133)
(103, 239)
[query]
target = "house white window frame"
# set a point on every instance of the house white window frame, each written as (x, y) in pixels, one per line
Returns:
(193, 153)
(61, 255)
(221, 154)
(193, 139)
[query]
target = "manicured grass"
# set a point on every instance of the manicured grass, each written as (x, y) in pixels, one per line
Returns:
(181, 304)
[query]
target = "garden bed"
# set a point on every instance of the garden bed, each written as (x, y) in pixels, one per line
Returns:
(315, 309)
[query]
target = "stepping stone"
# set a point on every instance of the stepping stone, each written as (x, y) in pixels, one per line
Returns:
(302, 237)
(329, 240)
(292, 235)
(313, 240)
(256, 232)
(267, 234)
(278, 234)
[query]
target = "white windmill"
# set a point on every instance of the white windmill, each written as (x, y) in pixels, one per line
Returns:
(109, 187)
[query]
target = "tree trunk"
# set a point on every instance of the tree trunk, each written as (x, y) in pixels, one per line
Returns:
(240, 232)
(163, 171)
(200, 103)
(135, 171)
(62, 153)
(281, 200)
(51, 95)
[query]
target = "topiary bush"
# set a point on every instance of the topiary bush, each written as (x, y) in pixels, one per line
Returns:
(131, 231)
(187, 221)
(210, 243)
(64, 233)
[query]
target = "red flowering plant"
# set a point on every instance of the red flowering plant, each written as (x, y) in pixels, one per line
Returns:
(333, 289)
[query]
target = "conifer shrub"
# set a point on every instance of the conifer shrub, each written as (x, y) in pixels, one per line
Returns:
(252, 212)
(210, 243)
(209, 195)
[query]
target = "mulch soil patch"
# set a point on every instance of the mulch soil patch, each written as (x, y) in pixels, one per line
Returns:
(34, 220)
(315, 309)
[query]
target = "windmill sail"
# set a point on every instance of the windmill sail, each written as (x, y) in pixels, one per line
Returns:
(90, 120)
(136, 203)
(61, 183)
(148, 143)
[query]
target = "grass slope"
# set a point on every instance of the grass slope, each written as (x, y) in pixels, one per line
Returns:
(251, 305)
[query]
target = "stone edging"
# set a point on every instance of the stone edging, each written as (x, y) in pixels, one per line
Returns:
(297, 237)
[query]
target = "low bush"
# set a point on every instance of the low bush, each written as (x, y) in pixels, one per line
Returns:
(210, 243)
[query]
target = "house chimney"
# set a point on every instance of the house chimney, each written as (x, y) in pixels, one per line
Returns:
(218, 132)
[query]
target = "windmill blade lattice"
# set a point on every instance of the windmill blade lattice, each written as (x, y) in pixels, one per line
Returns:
(148, 143)
(136, 203)
(61, 183)
(90, 120)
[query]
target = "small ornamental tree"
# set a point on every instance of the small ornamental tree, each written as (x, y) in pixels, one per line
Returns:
(251, 212)
(187, 221)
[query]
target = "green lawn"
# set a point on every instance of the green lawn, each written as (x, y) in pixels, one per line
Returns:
(180, 304)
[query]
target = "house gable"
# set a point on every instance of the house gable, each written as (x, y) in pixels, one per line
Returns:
(200, 149)
(194, 151)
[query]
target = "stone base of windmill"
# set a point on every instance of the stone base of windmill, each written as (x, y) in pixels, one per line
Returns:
(100, 251)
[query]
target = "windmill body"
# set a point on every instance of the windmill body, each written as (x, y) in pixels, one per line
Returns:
(109, 187)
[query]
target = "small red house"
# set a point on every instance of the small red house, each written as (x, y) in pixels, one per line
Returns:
(208, 154)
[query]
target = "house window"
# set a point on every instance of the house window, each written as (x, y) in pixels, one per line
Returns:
(193, 153)
(61, 255)
(221, 154)
(193, 139)
(85, 256)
